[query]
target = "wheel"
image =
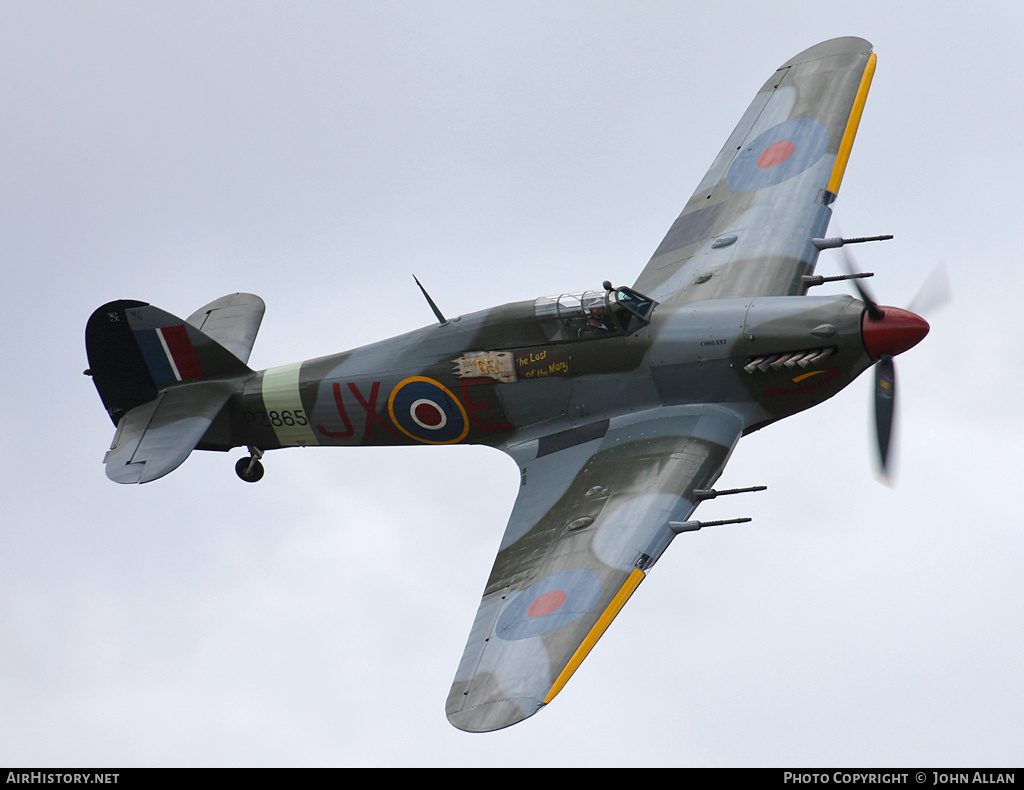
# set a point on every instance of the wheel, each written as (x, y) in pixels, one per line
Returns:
(249, 469)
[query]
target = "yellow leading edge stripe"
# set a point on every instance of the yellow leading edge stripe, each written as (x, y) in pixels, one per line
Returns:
(843, 156)
(637, 576)
(605, 620)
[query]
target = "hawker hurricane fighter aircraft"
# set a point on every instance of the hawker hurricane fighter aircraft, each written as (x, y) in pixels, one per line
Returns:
(621, 405)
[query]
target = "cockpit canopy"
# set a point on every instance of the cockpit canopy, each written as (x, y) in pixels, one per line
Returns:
(593, 314)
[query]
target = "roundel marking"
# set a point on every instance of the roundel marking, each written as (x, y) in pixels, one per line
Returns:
(428, 415)
(778, 154)
(427, 411)
(546, 604)
(549, 603)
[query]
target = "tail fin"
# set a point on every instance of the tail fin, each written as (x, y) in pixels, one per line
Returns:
(162, 380)
(135, 350)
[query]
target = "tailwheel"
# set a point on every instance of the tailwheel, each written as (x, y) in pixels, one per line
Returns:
(250, 469)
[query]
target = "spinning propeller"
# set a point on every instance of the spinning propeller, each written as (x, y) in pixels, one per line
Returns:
(888, 331)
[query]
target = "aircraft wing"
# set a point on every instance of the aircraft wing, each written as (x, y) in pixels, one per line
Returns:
(747, 229)
(592, 517)
(155, 438)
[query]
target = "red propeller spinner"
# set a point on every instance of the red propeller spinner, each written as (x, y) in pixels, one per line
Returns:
(894, 332)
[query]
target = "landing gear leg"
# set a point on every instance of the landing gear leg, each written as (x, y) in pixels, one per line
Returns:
(250, 469)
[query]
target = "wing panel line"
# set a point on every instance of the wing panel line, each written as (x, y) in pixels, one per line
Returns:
(605, 620)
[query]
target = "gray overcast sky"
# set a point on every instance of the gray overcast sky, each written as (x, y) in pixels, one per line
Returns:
(319, 154)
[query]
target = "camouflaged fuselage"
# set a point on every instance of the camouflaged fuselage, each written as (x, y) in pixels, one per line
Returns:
(488, 376)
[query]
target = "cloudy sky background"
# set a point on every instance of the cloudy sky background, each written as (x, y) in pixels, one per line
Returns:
(319, 154)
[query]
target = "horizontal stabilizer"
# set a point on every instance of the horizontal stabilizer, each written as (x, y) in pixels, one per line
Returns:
(232, 321)
(155, 438)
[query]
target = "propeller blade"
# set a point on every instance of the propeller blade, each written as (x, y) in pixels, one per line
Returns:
(935, 292)
(874, 313)
(885, 407)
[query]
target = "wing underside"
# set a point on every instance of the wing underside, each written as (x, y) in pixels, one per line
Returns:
(590, 521)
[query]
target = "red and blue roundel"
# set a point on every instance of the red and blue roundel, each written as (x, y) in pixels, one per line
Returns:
(549, 603)
(784, 151)
(428, 412)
